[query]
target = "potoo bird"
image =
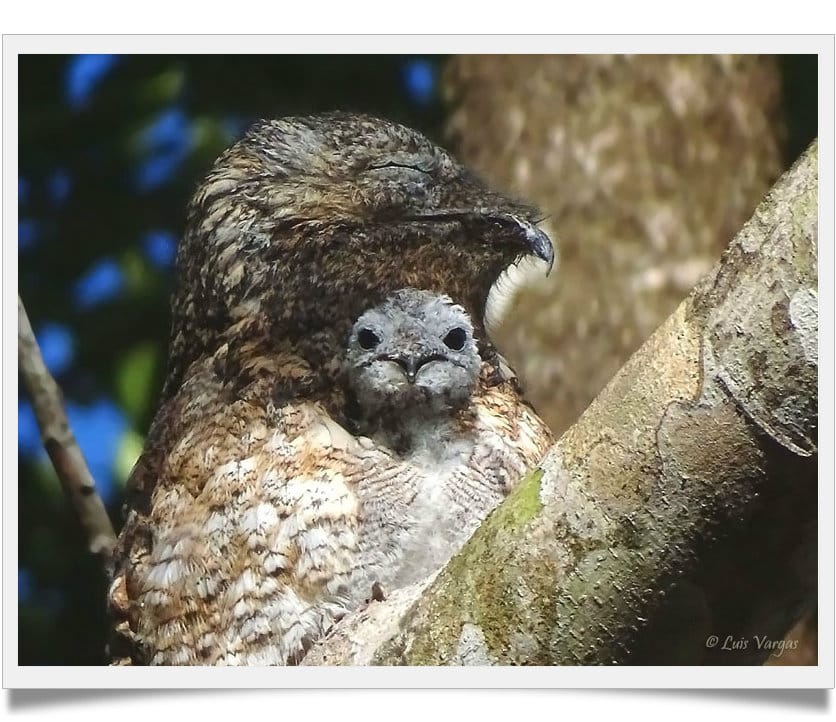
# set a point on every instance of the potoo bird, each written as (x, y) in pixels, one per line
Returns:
(243, 520)
(412, 367)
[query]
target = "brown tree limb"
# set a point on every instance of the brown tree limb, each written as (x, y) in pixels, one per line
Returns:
(675, 522)
(59, 442)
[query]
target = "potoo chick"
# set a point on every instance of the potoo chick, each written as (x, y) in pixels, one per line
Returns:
(412, 367)
(243, 519)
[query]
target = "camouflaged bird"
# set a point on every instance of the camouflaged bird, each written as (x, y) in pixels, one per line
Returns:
(244, 521)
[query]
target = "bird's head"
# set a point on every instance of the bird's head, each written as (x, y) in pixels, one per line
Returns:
(414, 353)
(308, 221)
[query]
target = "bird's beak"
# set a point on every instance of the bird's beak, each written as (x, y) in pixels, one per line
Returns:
(411, 370)
(537, 240)
(409, 365)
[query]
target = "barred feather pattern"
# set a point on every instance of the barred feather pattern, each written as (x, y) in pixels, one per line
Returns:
(253, 518)
(268, 524)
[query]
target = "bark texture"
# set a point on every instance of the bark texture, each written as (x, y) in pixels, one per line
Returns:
(647, 166)
(675, 522)
(59, 442)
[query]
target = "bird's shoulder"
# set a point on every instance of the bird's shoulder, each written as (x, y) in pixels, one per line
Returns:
(243, 503)
(500, 411)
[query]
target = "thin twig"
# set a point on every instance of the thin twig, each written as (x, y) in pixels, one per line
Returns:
(59, 441)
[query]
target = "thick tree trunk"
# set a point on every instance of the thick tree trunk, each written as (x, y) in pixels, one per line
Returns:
(647, 166)
(675, 522)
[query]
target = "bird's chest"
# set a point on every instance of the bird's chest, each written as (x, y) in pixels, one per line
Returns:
(441, 496)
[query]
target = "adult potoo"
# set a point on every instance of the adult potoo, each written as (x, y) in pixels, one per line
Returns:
(412, 367)
(242, 513)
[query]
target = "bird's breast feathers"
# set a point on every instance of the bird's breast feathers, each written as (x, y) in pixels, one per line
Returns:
(266, 524)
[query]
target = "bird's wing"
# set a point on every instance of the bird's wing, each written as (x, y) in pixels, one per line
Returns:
(243, 532)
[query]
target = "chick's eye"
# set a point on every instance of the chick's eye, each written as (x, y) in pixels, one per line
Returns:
(455, 339)
(367, 339)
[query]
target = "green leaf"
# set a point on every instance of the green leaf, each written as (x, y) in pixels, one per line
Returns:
(137, 273)
(164, 87)
(209, 134)
(134, 379)
(127, 452)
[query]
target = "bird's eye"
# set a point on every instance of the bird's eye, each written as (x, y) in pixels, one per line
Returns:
(400, 166)
(367, 339)
(455, 339)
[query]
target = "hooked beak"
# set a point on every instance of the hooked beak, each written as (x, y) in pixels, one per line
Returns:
(537, 240)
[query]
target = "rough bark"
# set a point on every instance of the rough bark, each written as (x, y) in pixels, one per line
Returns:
(675, 521)
(647, 166)
(59, 442)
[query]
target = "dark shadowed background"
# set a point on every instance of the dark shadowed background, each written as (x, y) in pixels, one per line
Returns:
(110, 150)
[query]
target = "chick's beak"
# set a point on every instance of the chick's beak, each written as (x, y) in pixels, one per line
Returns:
(411, 370)
(409, 365)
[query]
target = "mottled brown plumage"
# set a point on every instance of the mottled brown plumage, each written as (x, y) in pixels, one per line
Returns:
(243, 521)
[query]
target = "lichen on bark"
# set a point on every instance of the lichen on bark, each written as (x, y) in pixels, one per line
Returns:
(672, 510)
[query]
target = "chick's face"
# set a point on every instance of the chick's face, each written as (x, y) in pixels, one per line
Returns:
(414, 352)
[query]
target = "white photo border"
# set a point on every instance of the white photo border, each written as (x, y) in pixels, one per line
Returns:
(772, 677)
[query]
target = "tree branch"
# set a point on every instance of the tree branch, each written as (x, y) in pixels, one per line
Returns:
(59, 441)
(675, 522)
